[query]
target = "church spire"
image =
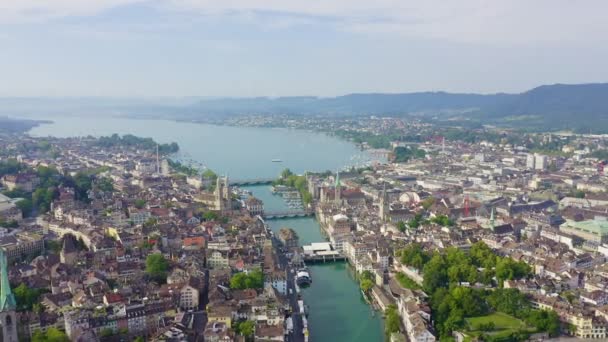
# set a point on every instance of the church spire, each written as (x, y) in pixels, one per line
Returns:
(492, 219)
(7, 298)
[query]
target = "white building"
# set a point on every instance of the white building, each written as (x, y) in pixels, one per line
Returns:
(540, 162)
(530, 161)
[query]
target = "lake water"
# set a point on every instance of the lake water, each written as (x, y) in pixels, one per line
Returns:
(240, 152)
(337, 310)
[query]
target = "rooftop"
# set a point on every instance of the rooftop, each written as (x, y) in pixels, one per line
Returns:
(596, 226)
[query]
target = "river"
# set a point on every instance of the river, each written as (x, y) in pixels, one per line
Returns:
(337, 309)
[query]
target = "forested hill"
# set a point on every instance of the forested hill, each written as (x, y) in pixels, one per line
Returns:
(350, 105)
(582, 107)
(559, 105)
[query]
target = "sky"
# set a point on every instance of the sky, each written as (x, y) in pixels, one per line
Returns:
(176, 48)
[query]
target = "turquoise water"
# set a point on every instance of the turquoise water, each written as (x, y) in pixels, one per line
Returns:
(337, 311)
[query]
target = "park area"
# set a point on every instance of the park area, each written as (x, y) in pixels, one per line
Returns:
(496, 326)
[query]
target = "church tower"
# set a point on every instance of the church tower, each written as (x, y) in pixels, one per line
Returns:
(8, 304)
(338, 189)
(223, 197)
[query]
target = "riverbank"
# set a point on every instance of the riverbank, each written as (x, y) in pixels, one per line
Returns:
(338, 311)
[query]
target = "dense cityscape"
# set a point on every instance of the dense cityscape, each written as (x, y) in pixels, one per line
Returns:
(303, 171)
(479, 238)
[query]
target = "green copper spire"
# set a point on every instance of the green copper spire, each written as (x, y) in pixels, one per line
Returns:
(338, 179)
(7, 298)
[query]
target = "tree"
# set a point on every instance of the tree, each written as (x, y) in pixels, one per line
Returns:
(139, 339)
(435, 274)
(26, 206)
(508, 269)
(401, 226)
(391, 324)
(156, 267)
(509, 301)
(105, 184)
(26, 297)
(210, 216)
(82, 185)
(139, 203)
(242, 280)
(414, 256)
(366, 285)
(245, 328)
(107, 332)
(51, 335)
(442, 220)
(38, 308)
(286, 173)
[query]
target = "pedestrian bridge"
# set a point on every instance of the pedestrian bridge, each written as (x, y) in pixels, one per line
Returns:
(253, 181)
(269, 215)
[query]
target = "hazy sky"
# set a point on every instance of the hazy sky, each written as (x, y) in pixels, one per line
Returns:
(305, 47)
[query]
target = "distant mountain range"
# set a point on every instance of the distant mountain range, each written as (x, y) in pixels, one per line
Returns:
(559, 106)
(581, 107)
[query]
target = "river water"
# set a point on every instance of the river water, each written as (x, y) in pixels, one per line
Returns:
(337, 309)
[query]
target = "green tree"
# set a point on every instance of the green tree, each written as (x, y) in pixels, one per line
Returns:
(51, 335)
(105, 184)
(435, 274)
(26, 206)
(286, 173)
(106, 332)
(26, 297)
(392, 323)
(245, 328)
(237, 281)
(366, 285)
(139, 203)
(157, 267)
(414, 256)
(252, 280)
(210, 216)
(401, 226)
(209, 174)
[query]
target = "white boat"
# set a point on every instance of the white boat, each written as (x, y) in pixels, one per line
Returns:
(303, 278)
(277, 161)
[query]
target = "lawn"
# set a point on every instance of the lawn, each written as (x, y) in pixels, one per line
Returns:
(406, 281)
(504, 325)
(501, 321)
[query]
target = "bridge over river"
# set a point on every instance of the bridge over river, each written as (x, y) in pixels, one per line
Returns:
(270, 215)
(252, 181)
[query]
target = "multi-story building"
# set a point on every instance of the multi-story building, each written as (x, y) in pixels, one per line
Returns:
(288, 237)
(22, 245)
(9, 210)
(24, 181)
(254, 206)
(189, 295)
(217, 259)
(590, 230)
